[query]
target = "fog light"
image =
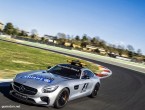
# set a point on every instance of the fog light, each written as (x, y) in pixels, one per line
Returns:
(45, 99)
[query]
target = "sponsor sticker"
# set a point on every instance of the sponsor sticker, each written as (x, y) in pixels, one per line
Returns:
(45, 79)
(71, 68)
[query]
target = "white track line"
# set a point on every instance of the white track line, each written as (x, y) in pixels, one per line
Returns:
(6, 80)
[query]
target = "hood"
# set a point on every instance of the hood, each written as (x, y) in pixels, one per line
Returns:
(38, 79)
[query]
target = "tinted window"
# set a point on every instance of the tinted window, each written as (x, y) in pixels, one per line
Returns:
(88, 73)
(66, 71)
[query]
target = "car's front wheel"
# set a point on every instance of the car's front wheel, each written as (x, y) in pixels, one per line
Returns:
(95, 91)
(62, 98)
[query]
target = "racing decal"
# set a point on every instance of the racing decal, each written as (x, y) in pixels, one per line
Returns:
(37, 77)
(85, 87)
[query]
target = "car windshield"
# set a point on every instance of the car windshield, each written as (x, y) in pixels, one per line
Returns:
(66, 71)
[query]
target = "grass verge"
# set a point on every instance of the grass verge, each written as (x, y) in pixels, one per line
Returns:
(15, 58)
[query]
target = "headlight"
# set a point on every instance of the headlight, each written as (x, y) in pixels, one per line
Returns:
(49, 89)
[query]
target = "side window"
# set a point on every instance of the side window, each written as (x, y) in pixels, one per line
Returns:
(88, 73)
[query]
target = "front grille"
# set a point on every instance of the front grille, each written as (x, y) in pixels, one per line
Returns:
(22, 98)
(24, 89)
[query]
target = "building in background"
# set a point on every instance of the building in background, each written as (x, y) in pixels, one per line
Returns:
(1, 26)
(51, 38)
(99, 50)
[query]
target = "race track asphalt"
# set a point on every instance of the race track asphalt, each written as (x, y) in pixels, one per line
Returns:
(124, 90)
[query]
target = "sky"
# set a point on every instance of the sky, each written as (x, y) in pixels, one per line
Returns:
(115, 21)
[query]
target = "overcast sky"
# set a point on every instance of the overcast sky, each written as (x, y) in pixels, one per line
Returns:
(116, 21)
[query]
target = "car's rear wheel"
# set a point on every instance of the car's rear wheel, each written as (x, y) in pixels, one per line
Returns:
(95, 91)
(62, 98)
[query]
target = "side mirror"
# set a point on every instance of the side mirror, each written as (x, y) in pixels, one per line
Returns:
(48, 67)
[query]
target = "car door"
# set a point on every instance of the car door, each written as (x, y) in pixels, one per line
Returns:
(87, 81)
(82, 86)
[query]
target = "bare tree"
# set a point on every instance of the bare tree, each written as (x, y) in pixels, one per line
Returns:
(68, 37)
(61, 35)
(34, 32)
(113, 45)
(98, 38)
(120, 47)
(130, 48)
(139, 51)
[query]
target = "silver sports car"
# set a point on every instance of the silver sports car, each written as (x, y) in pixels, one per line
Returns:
(55, 86)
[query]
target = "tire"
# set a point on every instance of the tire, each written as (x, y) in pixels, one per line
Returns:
(62, 98)
(95, 91)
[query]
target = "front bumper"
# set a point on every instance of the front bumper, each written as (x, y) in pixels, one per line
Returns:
(45, 99)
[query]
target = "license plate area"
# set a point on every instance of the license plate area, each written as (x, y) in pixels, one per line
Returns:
(20, 96)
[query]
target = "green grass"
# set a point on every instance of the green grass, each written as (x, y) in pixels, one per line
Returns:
(15, 58)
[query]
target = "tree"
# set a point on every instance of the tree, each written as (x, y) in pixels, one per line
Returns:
(97, 51)
(84, 44)
(93, 40)
(120, 51)
(84, 38)
(120, 47)
(77, 38)
(23, 33)
(113, 46)
(15, 32)
(61, 41)
(130, 48)
(34, 32)
(139, 52)
(68, 37)
(61, 35)
(46, 41)
(33, 36)
(9, 29)
(130, 54)
(102, 44)
(42, 39)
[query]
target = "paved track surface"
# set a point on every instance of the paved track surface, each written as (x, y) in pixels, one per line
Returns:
(124, 90)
